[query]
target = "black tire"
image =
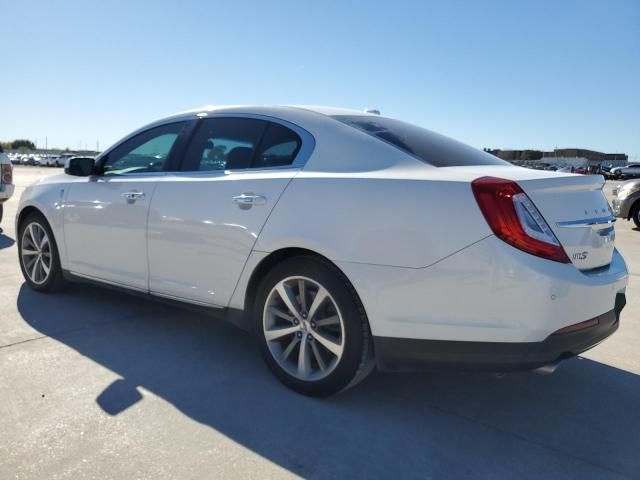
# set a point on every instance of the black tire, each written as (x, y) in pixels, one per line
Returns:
(357, 360)
(635, 213)
(1, 212)
(55, 280)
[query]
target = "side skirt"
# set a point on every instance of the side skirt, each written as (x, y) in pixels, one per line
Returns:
(234, 316)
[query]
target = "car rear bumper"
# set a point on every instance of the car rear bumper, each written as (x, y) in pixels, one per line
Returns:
(404, 354)
(488, 292)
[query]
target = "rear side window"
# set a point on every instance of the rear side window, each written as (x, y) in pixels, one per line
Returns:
(278, 147)
(428, 146)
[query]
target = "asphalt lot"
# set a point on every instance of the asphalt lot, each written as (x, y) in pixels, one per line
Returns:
(98, 384)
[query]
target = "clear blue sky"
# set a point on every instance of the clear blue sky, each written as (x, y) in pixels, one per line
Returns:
(535, 74)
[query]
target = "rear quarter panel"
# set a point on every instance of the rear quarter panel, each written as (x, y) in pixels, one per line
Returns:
(375, 219)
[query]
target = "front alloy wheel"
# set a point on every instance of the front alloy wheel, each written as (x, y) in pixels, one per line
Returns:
(36, 253)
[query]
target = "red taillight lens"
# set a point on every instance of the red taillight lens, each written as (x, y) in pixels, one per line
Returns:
(498, 200)
(7, 173)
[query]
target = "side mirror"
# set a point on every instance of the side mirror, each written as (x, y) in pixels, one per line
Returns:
(79, 166)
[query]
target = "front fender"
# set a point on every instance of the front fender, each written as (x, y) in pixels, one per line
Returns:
(49, 201)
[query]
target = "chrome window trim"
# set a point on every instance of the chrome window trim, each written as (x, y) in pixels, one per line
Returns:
(222, 173)
(130, 175)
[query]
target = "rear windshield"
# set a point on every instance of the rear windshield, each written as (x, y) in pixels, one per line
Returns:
(430, 147)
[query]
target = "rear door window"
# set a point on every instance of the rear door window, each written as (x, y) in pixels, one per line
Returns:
(236, 143)
(223, 144)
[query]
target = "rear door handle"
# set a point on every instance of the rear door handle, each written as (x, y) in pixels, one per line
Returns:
(249, 200)
(132, 196)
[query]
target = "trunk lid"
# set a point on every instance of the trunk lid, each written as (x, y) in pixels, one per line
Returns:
(574, 206)
(577, 211)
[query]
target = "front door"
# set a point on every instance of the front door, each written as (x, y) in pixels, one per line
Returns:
(105, 216)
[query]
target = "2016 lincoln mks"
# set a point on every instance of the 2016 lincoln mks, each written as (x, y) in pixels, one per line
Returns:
(343, 239)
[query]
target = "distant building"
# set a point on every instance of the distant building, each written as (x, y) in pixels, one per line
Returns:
(576, 157)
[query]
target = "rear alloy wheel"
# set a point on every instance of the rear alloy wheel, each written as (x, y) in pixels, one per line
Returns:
(38, 254)
(303, 328)
(314, 334)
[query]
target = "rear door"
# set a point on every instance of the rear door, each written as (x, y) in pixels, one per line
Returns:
(205, 219)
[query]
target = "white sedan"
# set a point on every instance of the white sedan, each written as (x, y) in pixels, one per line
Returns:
(344, 240)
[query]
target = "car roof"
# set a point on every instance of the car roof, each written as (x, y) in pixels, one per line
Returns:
(277, 109)
(309, 117)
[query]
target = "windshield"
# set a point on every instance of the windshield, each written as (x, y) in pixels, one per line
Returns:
(428, 146)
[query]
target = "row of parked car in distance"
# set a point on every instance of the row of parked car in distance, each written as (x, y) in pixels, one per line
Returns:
(39, 159)
(608, 171)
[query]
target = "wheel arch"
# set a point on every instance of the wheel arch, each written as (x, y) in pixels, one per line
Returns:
(28, 210)
(278, 256)
(25, 212)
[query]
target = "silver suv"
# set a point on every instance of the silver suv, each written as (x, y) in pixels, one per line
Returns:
(6, 179)
(626, 201)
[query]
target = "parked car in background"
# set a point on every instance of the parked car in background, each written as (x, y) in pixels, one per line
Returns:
(63, 158)
(31, 160)
(628, 171)
(51, 161)
(322, 231)
(626, 201)
(6, 180)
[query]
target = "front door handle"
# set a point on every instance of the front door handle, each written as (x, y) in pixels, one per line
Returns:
(132, 196)
(248, 200)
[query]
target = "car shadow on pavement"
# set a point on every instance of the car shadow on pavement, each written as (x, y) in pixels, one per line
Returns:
(581, 422)
(5, 242)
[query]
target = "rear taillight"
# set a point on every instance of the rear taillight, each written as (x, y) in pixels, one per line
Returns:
(7, 173)
(515, 219)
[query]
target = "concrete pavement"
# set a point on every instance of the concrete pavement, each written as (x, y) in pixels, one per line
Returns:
(98, 384)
